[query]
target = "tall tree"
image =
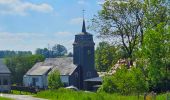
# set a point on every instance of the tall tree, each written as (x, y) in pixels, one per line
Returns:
(155, 51)
(121, 20)
(105, 56)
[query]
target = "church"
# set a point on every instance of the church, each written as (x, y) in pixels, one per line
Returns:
(78, 71)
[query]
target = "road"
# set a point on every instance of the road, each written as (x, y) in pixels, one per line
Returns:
(20, 97)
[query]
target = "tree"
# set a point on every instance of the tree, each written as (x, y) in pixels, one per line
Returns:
(125, 82)
(121, 21)
(58, 50)
(105, 56)
(19, 65)
(54, 81)
(7, 53)
(156, 50)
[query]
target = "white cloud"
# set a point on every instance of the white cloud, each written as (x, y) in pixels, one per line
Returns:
(63, 33)
(77, 20)
(31, 41)
(19, 7)
(101, 2)
(83, 2)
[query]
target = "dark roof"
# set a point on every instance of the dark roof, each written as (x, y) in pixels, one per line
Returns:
(64, 65)
(3, 68)
(95, 79)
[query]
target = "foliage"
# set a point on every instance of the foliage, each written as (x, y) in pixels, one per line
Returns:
(56, 51)
(54, 81)
(125, 81)
(121, 21)
(7, 53)
(105, 56)
(156, 50)
(19, 65)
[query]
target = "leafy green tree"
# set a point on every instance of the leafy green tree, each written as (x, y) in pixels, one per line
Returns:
(121, 21)
(125, 82)
(19, 65)
(156, 51)
(54, 81)
(105, 56)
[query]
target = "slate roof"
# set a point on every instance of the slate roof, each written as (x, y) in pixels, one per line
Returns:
(95, 79)
(64, 65)
(39, 69)
(3, 68)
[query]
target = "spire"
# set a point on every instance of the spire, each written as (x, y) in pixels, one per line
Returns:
(84, 25)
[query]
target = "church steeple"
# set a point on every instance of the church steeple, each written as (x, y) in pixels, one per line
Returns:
(84, 27)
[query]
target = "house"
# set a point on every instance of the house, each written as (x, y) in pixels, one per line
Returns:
(5, 81)
(37, 75)
(73, 70)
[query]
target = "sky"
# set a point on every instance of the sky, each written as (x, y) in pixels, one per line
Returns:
(30, 24)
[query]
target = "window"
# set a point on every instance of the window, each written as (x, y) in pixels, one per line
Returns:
(76, 75)
(5, 82)
(88, 52)
(88, 74)
(34, 81)
(0, 81)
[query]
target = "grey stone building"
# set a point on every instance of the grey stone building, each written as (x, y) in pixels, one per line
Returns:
(77, 71)
(5, 81)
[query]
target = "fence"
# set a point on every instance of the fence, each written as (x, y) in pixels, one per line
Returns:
(25, 89)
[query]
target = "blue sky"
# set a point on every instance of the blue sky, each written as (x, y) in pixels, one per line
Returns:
(30, 24)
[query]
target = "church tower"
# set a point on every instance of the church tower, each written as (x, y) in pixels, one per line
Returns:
(83, 54)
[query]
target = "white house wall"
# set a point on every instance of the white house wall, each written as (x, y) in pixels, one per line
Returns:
(42, 80)
(64, 79)
(27, 80)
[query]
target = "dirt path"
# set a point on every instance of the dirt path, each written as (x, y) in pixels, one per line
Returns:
(20, 97)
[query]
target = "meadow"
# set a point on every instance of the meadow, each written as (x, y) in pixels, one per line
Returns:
(2, 98)
(63, 94)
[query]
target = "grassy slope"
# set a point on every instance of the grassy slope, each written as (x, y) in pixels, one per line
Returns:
(2, 98)
(63, 94)
(73, 95)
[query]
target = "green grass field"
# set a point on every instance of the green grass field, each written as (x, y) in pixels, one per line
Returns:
(63, 94)
(2, 98)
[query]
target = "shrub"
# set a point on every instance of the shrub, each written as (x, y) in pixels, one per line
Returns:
(125, 81)
(54, 81)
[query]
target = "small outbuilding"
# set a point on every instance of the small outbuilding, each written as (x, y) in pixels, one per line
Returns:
(5, 80)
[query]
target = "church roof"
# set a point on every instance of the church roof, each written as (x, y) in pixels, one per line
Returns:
(3, 68)
(39, 69)
(64, 65)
